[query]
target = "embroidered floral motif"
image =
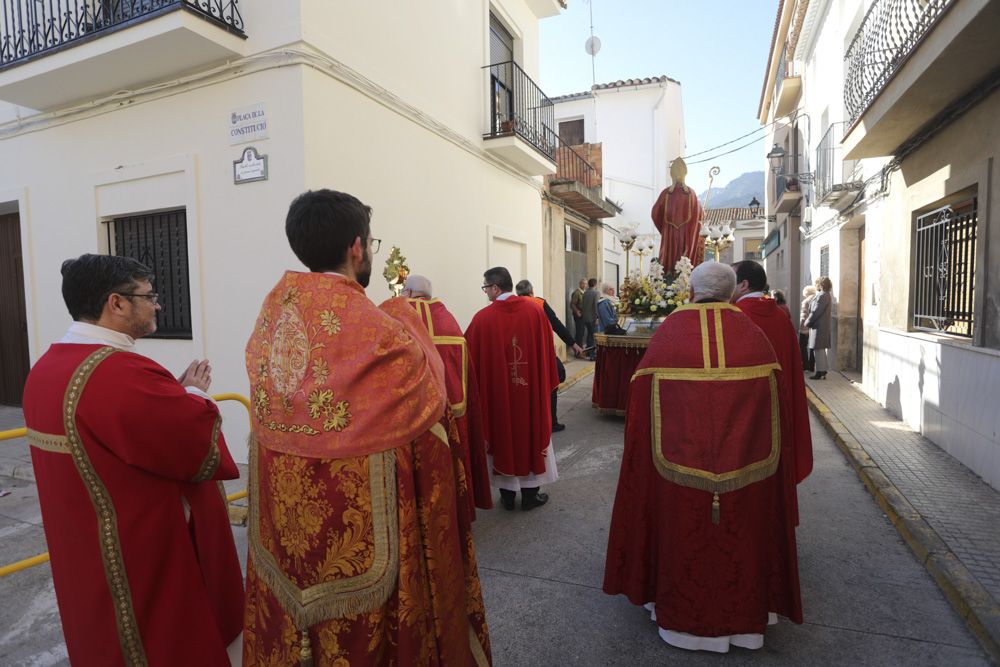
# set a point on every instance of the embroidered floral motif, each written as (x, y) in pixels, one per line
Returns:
(265, 322)
(287, 406)
(289, 354)
(298, 506)
(291, 295)
(330, 322)
(340, 418)
(261, 403)
(320, 402)
(320, 370)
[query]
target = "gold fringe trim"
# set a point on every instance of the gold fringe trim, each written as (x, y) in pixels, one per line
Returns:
(626, 342)
(129, 639)
(211, 462)
(48, 442)
(716, 482)
(345, 597)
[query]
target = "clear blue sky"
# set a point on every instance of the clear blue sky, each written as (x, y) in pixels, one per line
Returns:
(717, 50)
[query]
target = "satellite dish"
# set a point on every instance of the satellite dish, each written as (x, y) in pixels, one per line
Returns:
(592, 46)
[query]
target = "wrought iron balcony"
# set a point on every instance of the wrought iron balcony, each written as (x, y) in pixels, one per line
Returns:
(31, 28)
(888, 34)
(835, 176)
(518, 108)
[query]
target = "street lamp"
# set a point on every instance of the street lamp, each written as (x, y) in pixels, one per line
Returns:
(776, 157)
(754, 207)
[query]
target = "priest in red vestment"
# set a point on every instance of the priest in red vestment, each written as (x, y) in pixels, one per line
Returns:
(510, 343)
(677, 215)
(460, 381)
(360, 543)
(127, 461)
(796, 453)
(700, 533)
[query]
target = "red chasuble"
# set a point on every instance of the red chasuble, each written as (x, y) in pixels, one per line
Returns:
(360, 544)
(117, 445)
(700, 525)
(796, 453)
(463, 397)
(510, 343)
(677, 215)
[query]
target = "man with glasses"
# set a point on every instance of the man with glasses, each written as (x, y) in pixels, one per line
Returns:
(360, 551)
(127, 461)
(510, 344)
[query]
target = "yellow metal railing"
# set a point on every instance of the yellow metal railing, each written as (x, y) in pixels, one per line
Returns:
(15, 433)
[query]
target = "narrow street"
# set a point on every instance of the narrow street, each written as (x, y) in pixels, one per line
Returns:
(866, 598)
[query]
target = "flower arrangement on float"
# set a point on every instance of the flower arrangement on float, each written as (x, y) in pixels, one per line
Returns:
(656, 294)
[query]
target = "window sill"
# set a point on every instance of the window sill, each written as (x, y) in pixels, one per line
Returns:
(946, 340)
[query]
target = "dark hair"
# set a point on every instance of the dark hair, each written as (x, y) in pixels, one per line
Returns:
(500, 277)
(592, 282)
(322, 224)
(753, 273)
(779, 296)
(524, 288)
(89, 280)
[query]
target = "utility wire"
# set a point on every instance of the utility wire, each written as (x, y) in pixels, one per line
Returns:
(715, 157)
(733, 141)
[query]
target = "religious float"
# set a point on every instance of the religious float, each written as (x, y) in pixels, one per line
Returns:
(644, 301)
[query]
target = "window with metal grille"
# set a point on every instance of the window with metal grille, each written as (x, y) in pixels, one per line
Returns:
(752, 249)
(945, 268)
(576, 239)
(159, 240)
(824, 261)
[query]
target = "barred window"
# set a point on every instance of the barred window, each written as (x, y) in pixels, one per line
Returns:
(945, 268)
(752, 249)
(824, 261)
(159, 240)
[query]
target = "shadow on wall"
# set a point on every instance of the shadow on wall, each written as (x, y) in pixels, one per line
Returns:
(893, 398)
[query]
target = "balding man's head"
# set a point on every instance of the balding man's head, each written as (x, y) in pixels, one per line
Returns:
(712, 281)
(417, 286)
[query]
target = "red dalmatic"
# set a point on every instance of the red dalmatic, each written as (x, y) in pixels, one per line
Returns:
(796, 452)
(677, 215)
(510, 343)
(700, 525)
(119, 448)
(463, 397)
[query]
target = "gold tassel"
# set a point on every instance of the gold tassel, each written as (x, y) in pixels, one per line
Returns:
(305, 650)
(715, 508)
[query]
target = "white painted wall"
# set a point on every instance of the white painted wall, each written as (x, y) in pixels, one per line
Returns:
(390, 112)
(640, 128)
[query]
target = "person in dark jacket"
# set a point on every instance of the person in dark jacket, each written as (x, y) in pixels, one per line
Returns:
(525, 289)
(820, 325)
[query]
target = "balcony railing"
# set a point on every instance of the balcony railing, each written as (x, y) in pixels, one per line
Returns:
(833, 174)
(571, 166)
(29, 28)
(888, 34)
(519, 107)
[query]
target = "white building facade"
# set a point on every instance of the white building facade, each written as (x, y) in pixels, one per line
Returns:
(640, 125)
(889, 129)
(131, 136)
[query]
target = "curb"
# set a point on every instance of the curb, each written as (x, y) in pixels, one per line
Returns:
(576, 377)
(972, 602)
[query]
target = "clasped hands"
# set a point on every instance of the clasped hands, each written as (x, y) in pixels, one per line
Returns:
(198, 375)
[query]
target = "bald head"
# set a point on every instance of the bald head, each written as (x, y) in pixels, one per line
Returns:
(418, 286)
(712, 280)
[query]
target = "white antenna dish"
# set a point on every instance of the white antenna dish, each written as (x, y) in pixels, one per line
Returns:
(593, 45)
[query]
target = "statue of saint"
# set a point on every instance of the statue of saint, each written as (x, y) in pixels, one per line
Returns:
(677, 215)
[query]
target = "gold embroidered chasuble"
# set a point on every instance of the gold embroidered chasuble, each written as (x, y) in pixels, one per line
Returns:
(360, 542)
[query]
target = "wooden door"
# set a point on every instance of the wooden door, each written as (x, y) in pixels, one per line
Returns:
(13, 317)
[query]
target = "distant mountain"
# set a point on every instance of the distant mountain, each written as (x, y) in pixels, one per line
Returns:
(739, 192)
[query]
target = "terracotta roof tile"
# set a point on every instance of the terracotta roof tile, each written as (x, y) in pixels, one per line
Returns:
(736, 214)
(620, 83)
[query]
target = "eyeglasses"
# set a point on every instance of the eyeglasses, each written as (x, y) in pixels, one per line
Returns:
(152, 296)
(484, 287)
(375, 244)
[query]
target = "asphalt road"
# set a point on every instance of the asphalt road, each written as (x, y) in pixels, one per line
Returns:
(867, 600)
